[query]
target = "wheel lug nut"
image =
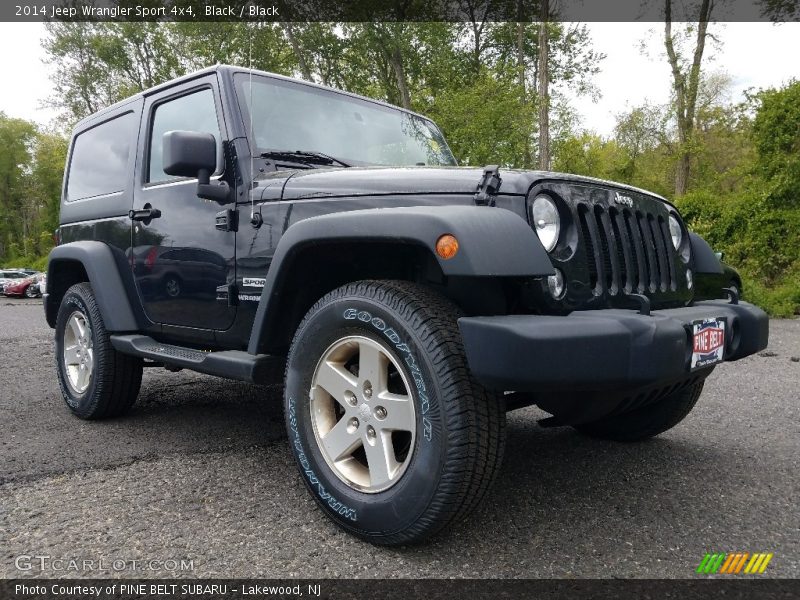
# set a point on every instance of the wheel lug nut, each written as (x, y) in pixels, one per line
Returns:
(352, 425)
(350, 398)
(370, 432)
(367, 390)
(380, 412)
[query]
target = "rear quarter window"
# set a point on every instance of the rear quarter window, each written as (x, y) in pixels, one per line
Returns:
(99, 163)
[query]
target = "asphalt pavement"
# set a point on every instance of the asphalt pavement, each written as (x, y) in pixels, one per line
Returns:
(200, 472)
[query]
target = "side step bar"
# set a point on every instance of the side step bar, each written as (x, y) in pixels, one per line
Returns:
(231, 364)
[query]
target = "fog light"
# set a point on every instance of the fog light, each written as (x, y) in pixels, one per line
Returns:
(689, 279)
(555, 283)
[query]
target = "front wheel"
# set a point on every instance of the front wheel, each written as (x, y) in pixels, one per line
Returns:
(391, 434)
(32, 292)
(647, 421)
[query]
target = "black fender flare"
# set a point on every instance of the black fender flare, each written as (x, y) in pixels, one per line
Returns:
(705, 261)
(102, 269)
(493, 242)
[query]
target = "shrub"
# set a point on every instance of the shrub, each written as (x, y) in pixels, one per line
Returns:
(760, 240)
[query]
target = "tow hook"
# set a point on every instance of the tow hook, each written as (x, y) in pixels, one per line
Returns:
(732, 294)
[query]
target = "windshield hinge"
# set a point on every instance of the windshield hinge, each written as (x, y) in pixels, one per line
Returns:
(488, 186)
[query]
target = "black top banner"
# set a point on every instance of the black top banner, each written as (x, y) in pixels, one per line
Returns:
(395, 10)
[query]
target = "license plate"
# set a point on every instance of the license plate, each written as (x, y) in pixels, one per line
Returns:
(709, 342)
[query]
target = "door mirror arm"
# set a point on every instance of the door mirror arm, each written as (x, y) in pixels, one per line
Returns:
(219, 191)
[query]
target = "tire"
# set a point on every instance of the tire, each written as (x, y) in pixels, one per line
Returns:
(447, 456)
(647, 421)
(109, 383)
(31, 292)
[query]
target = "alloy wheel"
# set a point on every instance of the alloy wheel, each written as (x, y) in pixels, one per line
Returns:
(363, 414)
(78, 352)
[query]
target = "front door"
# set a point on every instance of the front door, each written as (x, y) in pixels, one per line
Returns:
(182, 264)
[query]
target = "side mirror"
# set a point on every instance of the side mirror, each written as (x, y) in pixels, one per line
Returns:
(719, 255)
(194, 154)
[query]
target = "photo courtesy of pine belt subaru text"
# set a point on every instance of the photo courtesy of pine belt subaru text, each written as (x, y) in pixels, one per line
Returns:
(269, 230)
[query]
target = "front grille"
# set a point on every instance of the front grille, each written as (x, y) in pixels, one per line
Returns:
(628, 251)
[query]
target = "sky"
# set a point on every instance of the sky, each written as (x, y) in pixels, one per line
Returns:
(754, 55)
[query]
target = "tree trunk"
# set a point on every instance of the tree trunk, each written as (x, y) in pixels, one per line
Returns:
(298, 52)
(396, 60)
(521, 57)
(685, 90)
(521, 76)
(477, 24)
(544, 88)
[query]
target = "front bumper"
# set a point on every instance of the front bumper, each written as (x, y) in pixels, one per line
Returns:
(599, 349)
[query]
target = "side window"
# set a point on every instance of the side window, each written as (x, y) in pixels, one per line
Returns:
(99, 163)
(194, 112)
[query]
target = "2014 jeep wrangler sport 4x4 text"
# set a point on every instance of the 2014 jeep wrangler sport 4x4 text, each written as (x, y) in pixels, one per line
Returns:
(260, 228)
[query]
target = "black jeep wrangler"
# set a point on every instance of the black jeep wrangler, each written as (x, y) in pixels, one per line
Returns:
(264, 229)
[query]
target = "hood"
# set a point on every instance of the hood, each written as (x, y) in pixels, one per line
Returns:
(372, 181)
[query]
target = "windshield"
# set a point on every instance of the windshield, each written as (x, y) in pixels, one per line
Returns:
(290, 116)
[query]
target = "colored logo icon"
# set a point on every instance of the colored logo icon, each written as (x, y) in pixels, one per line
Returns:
(734, 563)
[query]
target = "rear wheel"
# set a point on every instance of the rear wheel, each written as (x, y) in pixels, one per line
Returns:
(392, 436)
(32, 291)
(647, 421)
(172, 286)
(96, 380)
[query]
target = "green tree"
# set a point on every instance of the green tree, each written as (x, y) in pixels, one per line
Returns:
(47, 174)
(776, 134)
(31, 170)
(546, 73)
(81, 82)
(484, 122)
(589, 154)
(17, 138)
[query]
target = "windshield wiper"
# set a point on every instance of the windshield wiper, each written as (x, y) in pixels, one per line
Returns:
(304, 156)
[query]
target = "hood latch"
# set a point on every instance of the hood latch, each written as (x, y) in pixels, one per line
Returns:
(488, 186)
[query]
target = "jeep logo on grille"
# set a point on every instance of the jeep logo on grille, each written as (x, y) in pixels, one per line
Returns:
(622, 199)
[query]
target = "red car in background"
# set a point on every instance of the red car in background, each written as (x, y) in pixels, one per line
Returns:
(28, 287)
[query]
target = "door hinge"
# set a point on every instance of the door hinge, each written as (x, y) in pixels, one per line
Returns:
(227, 220)
(488, 186)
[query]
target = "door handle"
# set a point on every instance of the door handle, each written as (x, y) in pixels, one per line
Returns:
(144, 214)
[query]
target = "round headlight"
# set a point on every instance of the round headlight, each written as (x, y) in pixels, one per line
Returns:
(675, 231)
(546, 221)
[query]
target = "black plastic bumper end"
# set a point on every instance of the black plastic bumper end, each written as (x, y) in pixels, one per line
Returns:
(601, 348)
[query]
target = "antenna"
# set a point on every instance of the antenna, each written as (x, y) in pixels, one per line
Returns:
(252, 133)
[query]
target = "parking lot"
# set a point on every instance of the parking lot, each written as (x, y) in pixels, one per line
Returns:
(200, 470)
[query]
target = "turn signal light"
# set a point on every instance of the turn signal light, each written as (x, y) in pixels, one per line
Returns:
(447, 246)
